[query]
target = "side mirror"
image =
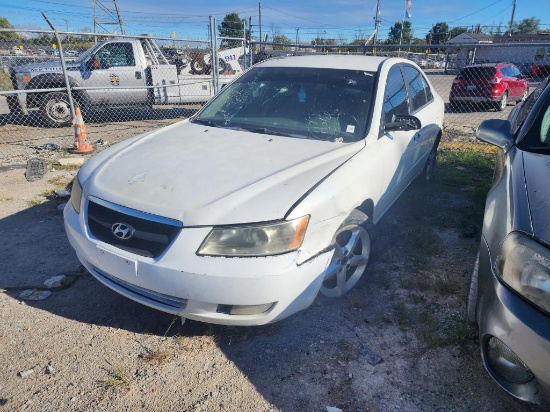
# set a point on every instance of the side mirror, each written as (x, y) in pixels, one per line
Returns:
(403, 122)
(496, 132)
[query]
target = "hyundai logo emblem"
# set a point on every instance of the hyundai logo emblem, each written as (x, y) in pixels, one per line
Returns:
(122, 230)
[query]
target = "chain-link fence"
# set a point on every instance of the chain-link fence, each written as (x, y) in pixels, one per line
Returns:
(123, 85)
(126, 85)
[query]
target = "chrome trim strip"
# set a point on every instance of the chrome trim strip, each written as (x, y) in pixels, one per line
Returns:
(135, 213)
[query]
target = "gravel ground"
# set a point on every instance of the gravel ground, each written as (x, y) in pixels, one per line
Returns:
(397, 342)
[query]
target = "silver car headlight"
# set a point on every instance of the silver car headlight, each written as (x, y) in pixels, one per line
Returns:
(524, 265)
(76, 195)
(261, 239)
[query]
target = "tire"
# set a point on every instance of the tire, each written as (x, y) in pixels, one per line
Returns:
(524, 95)
(503, 102)
(222, 66)
(198, 66)
(352, 251)
(56, 110)
(471, 299)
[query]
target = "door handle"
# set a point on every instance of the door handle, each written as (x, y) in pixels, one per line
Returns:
(138, 75)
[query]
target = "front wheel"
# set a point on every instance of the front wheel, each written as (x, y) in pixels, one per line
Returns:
(56, 109)
(352, 250)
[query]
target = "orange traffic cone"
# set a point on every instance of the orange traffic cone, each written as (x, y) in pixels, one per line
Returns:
(81, 144)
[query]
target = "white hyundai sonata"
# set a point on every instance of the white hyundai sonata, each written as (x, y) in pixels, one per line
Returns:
(243, 213)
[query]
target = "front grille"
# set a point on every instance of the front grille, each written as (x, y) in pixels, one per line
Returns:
(176, 303)
(152, 234)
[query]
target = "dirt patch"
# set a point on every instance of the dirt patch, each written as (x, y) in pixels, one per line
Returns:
(398, 341)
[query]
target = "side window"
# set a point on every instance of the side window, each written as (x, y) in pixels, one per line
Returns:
(506, 71)
(417, 88)
(515, 71)
(116, 55)
(395, 95)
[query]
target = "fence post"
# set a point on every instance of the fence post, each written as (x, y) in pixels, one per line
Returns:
(63, 67)
(214, 62)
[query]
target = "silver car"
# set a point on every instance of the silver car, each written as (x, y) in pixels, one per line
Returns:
(509, 293)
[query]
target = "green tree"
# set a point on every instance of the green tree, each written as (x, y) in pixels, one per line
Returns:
(438, 33)
(527, 26)
(281, 39)
(232, 26)
(8, 36)
(455, 31)
(394, 35)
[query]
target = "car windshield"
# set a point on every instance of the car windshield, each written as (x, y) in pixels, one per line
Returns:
(472, 73)
(537, 138)
(312, 103)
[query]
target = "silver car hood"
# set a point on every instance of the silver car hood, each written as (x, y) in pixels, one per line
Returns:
(213, 176)
(537, 175)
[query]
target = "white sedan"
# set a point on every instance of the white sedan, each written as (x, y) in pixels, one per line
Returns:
(243, 213)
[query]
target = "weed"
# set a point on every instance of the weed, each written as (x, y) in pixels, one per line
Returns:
(60, 182)
(6, 199)
(47, 194)
(34, 202)
(117, 380)
(158, 357)
(347, 350)
(5, 82)
(402, 315)
(59, 166)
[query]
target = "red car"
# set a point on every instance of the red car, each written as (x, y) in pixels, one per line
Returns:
(493, 83)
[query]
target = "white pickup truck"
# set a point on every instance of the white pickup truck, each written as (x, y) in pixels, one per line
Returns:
(117, 73)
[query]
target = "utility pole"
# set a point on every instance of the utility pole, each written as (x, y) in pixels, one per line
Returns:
(260, 22)
(104, 15)
(296, 48)
(377, 22)
(512, 19)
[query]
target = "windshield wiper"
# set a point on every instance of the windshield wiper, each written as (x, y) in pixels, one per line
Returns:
(205, 122)
(265, 130)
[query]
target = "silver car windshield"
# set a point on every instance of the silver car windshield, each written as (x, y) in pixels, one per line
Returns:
(312, 103)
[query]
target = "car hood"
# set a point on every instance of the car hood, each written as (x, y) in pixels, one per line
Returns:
(49, 66)
(213, 176)
(537, 174)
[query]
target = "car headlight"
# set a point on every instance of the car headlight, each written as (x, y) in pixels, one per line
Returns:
(262, 239)
(76, 195)
(524, 265)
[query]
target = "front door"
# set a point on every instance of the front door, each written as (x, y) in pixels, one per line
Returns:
(114, 66)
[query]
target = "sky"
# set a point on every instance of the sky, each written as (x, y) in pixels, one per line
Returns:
(329, 19)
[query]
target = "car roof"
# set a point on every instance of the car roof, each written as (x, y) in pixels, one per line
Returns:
(342, 62)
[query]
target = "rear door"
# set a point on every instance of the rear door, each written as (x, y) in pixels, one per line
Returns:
(420, 101)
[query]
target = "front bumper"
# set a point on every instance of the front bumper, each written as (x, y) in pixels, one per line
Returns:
(200, 287)
(520, 326)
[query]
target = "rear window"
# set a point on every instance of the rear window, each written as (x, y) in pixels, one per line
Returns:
(478, 72)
